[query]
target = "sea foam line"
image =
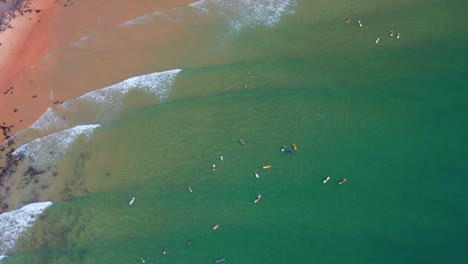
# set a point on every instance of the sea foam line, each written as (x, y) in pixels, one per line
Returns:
(248, 13)
(110, 99)
(14, 223)
(43, 150)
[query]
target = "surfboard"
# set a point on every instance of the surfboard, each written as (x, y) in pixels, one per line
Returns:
(266, 167)
(326, 180)
(215, 226)
(131, 201)
(258, 198)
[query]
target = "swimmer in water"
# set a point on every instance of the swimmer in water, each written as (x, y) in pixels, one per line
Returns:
(242, 142)
(189, 243)
(283, 148)
(214, 167)
(391, 33)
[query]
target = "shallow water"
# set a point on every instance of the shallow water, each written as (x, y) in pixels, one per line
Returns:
(389, 118)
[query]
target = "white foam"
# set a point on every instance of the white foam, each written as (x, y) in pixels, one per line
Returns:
(248, 13)
(111, 98)
(140, 19)
(43, 150)
(48, 120)
(83, 40)
(14, 223)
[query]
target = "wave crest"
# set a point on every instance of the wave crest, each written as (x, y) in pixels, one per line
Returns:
(43, 150)
(14, 223)
(248, 13)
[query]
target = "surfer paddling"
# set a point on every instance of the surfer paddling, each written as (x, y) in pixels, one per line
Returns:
(190, 189)
(164, 251)
(256, 175)
(348, 20)
(326, 180)
(215, 226)
(398, 35)
(359, 23)
(342, 181)
(242, 142)
(258, 198)
(391, 33)
(131, 201)
(213, 167)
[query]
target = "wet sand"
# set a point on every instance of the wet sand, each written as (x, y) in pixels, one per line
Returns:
(44, 63)
(65, 50)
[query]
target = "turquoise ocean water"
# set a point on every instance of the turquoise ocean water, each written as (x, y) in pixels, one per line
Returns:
(389, 117)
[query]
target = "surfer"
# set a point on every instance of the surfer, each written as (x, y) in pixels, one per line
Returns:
(214, 167)
(221, 157)
(242, 142)
(142, 260)
(164, 251)
(398, 35)
(348, 20)
(342, 181)
(256, 175)
(391, 33)
(326, 180)
(189, 243)
(377, 40)
(190, 189)
(359, 23)
(258, 198)
(283, 148)
(288, 152)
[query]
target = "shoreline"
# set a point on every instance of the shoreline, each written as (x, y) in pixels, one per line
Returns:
(21, 46)
(27, 75)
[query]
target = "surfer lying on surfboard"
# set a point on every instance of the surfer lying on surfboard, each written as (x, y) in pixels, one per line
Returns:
(258, 198)
(326, 180)
(342, 181)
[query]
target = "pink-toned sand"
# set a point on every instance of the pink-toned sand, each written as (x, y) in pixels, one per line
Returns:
(38, 55)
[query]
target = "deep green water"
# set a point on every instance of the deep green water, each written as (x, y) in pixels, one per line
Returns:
(391, 118)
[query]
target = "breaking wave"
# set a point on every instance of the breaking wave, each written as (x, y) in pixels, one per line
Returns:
(43, 150)
(14, 223)
(248, 13)
(108, 100)
(47, 120)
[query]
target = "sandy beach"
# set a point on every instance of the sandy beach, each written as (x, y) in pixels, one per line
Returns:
(35, 54)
